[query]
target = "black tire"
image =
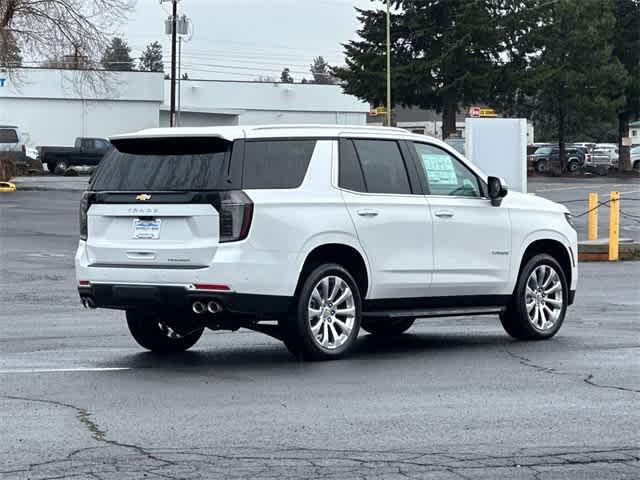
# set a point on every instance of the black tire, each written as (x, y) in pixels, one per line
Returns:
(388, 327)
(541, 166)
(51, 166)
(636, 165)
(60, 168)
(296, 327)
(147, 331)
(515, 318)
(573, 166)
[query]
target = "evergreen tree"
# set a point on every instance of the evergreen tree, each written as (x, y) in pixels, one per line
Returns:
(627, 50)
(573, 76)
(320, 71)
(285, 76)
(117, 56)
(444, 55)
(151, 59)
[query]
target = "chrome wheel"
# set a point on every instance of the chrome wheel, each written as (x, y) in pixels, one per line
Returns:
(331, 312)
(544, 297)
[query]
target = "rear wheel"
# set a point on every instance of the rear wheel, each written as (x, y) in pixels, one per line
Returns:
(636, 165)
(325, 320)
(152, 332)
(539, 304)
(388, 327)
(573, 166)
(60, 168)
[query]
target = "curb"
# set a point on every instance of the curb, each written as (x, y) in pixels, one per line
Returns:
(47, 189)
(599, 252)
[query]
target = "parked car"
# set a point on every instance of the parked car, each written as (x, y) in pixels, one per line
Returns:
(545, 157)
(635, 157)
(604, 158)
(12, 146)
(311, 233)
(86, 152)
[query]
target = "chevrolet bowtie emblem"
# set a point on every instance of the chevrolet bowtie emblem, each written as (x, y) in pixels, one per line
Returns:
(143, 197)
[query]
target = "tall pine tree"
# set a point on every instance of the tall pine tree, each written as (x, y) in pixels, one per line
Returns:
(151, 59)
(117, 56)
(444, 55)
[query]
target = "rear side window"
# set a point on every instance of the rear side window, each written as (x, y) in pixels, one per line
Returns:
(350, 173)
(8, 135)
(276, 164)
(165, 164)
(383, 167)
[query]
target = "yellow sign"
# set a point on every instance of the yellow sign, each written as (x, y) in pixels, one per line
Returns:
(488, 112)
(381, 110)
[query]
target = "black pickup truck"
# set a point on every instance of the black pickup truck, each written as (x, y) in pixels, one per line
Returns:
(86, 152)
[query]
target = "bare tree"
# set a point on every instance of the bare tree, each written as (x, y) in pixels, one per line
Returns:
(55, 29)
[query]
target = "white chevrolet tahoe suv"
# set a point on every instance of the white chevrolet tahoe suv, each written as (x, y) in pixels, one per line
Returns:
(309, 233)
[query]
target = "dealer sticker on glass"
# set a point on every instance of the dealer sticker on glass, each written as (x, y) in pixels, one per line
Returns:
(146, 229)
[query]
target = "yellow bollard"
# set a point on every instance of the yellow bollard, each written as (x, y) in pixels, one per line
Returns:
(593, 216)
(614, 225)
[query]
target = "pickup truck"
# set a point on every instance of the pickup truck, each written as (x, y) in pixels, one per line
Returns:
(11, 145)
(86, 152)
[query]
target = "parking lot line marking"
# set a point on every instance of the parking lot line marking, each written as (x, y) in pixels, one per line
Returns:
(63, 370)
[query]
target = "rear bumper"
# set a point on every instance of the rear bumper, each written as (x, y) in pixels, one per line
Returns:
(128, 297)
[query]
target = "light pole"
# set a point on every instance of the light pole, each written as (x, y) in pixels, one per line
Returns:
(388, 63)
(171, 28)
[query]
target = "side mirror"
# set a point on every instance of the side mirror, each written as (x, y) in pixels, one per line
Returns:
(497, 190)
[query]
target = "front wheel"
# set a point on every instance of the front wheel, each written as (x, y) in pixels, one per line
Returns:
(539, 303)
(573, 166)
(60, 168)
(541, 166)
(153, 333)
(325, 320)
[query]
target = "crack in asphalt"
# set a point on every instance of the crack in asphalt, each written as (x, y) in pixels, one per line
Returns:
(588, 379)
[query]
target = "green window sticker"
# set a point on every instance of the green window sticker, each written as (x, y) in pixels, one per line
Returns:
(440, 168)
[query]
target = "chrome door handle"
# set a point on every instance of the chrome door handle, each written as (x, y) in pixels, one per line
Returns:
(368, 212)
(444, 214)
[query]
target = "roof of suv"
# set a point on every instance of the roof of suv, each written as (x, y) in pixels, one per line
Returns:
(266, 131)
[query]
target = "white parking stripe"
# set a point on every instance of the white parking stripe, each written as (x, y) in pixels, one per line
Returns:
(63, 370)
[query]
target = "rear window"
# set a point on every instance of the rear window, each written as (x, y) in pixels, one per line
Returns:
(543, 151)
(276, 164)
(8, 135)
(167, 164)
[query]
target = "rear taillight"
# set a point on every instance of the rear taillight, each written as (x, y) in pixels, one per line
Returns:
(236, 212)
(85, 203)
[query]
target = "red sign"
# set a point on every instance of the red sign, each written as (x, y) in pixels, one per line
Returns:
(474, 112)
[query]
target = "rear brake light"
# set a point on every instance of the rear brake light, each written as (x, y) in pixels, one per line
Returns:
(85, 203)
(236, 212)
(83, 283)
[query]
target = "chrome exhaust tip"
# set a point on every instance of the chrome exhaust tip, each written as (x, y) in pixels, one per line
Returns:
(198, 307)
(213, 307)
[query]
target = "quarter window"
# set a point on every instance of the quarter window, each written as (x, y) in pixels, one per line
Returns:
(446, 175)
(8, 135)
(350, 176)
(276, 163)
(382, 166)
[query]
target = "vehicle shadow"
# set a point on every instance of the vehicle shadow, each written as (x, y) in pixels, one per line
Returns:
(274, 356)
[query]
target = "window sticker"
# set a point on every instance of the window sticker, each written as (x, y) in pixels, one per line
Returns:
(440, 168)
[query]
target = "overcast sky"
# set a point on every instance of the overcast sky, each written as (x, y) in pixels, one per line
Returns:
(245, 39)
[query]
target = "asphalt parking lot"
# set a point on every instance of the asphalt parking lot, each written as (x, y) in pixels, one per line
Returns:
(452, 399)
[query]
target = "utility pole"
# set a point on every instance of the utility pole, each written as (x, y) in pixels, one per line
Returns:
(174, 36)
(388, 63)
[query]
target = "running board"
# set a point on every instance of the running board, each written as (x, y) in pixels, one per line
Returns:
(435, 312)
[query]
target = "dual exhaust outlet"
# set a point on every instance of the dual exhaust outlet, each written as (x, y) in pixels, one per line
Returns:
(201, 307)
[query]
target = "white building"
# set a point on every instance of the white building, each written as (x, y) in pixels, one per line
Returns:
(634, 132)
(217, 102)
(53, 107)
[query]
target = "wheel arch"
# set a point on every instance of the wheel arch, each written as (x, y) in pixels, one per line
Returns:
(553, 247)
(343, 254)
